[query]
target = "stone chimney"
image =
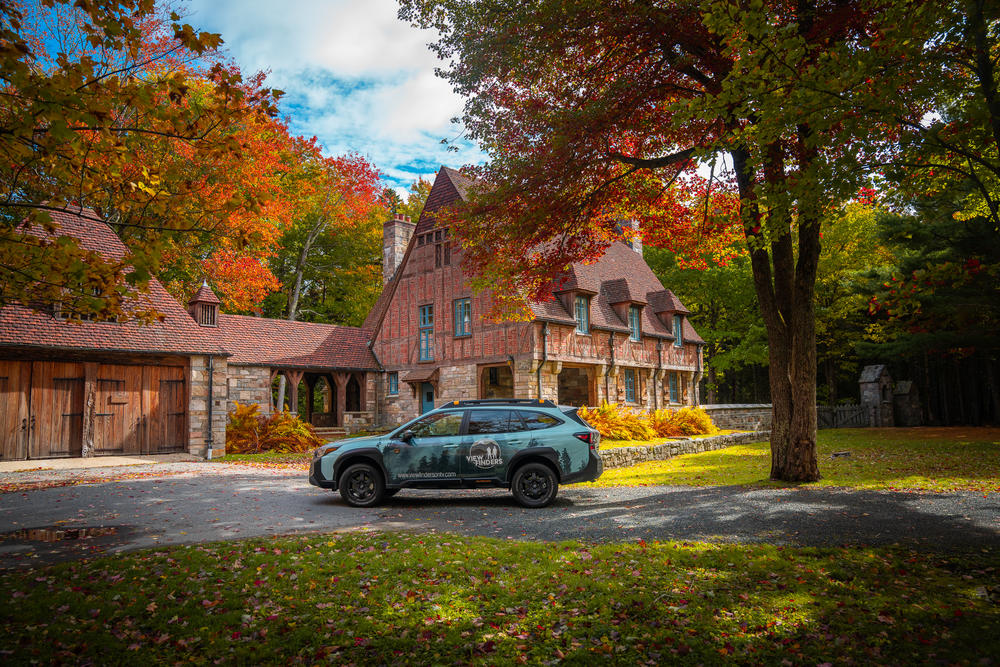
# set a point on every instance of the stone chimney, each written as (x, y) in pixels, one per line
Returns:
(635, 242)
(396, 235)
(204, 306)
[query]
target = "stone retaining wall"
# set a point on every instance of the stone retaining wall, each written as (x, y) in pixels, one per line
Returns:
(741, 416)
(623, 457)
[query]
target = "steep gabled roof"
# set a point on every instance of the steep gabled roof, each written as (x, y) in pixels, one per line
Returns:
(618, 276)
(261, 341)
(177, 333)
(449, 186)
(204, 295)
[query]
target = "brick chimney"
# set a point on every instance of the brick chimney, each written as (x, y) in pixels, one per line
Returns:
(396, 235)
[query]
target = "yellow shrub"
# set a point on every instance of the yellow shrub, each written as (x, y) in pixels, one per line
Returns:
(250, 433)
(616, 422)
(693, 421)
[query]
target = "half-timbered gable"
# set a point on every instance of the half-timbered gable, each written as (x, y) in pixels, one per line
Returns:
(611, 332)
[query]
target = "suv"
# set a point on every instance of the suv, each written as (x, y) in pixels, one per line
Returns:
(528, 446)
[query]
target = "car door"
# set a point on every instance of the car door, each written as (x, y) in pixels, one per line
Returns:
(431, 455)
(489, 443)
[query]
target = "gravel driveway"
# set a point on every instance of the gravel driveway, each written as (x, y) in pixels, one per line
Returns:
(196, 502)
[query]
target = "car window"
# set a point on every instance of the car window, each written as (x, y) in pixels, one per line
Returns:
(489, 421)
(440, 424)
(535, 421)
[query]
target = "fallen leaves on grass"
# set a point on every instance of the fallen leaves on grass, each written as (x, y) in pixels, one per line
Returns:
(429, 598)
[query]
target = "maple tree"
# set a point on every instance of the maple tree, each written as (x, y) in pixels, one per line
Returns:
(597, 112)
(118, 107)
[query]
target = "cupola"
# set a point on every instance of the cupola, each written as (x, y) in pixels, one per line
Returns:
(204, 306)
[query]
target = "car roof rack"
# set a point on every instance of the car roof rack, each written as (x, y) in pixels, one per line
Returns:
(501, 401)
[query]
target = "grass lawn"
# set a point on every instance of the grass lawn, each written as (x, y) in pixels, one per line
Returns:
(931, 459)
(371, 598)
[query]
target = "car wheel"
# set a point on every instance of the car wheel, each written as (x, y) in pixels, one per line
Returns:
(361, 485)
(534, 485)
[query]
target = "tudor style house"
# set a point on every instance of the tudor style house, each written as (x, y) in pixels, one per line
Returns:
(611, 333)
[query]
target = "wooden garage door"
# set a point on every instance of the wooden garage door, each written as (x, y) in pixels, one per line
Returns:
(165, 398)
(14, 379)
(56, 410)
(118, 425)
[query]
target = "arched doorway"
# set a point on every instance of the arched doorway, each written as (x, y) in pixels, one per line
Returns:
(496, 382)
(574, 386)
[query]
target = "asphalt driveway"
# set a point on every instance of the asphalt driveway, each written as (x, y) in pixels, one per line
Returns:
(197, 502)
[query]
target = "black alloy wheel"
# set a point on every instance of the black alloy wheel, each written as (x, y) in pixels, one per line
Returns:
(534, 485)
(361, 485)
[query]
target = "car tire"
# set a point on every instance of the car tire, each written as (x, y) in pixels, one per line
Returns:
(534, 485)
(361, 485)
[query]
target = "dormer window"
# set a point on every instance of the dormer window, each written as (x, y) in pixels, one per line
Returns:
(678, 336)
(634, 323)
(582, 314)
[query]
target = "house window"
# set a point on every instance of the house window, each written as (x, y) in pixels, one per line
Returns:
(447, 254)
(678, 337)
(427, 332)
(629, 374)
(493, 376)
(393, 384)
(437, 256)
(206, 315)
(582, 314)
(633, 323)
(420, 239)
(463, 317)
(675, 394)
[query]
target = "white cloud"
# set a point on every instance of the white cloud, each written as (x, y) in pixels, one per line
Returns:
(355, 76)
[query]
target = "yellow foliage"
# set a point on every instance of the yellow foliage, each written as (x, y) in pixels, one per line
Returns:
(616, 422)
(251, 433)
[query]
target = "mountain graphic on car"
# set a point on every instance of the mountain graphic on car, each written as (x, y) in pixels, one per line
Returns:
(525, 445)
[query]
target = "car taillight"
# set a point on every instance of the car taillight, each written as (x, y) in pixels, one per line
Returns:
(587, 437)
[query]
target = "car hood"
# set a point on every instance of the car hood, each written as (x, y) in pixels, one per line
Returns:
(352, 443)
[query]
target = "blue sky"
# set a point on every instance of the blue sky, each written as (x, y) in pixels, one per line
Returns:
(353, 74)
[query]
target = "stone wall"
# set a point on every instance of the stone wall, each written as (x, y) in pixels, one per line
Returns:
(359, 421)
(623, 457)
(249, 384)
(746, 417)
(198, 413)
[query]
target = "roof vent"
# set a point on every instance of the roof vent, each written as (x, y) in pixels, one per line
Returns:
(204, 306)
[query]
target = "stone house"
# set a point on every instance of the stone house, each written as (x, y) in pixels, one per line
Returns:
(611, 333)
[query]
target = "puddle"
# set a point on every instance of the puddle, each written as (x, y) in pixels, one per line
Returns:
(58, 534)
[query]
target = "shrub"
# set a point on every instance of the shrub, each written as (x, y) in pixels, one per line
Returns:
(693, 421)
(616, 422)
(251, 433)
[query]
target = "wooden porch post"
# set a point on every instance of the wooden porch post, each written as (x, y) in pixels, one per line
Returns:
(341, 381)
(311, 392)
(293, 377)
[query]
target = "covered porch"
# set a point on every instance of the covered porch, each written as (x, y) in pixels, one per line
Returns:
(325, 397)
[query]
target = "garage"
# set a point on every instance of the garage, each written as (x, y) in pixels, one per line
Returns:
(63, 409)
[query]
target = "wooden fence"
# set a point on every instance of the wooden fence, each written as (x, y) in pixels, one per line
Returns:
(842, 416)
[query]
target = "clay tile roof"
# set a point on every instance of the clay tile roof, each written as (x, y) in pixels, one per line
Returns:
(204, 295)
(450, 186)
(176, 334)
(666, 301)
(621, 274)
(261, 341)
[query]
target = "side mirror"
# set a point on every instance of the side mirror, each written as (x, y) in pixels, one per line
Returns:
(406, 436)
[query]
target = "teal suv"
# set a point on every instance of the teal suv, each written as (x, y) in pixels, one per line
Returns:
(527, 446)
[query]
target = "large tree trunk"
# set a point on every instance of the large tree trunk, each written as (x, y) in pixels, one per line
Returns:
(785, 289)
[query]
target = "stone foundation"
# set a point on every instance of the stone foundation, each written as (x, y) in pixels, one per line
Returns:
(198, 413)
(249, 384)
(623, 457)
(359, 421)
